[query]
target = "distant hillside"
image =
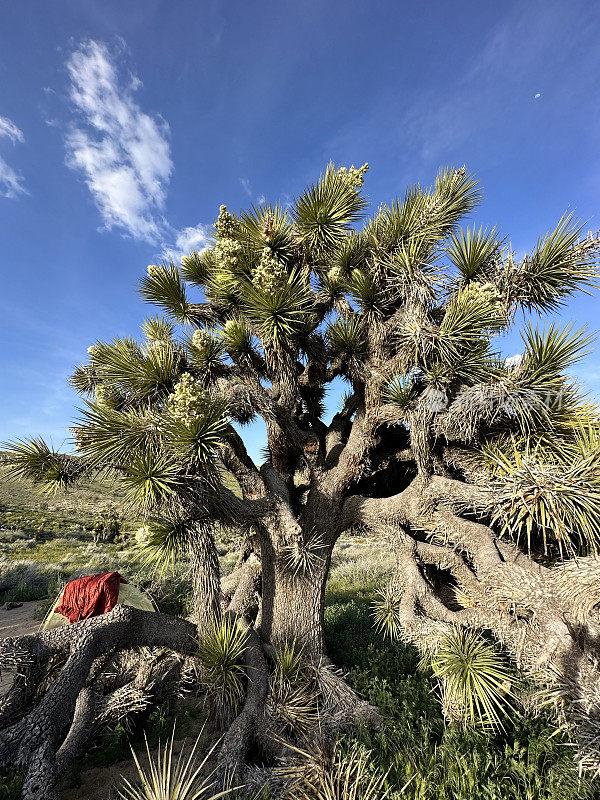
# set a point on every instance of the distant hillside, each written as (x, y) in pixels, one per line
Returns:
(23, 506)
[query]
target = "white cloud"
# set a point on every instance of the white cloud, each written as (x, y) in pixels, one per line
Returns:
(186, 240)
(247, 187)
(9, 129)
(513, 361)
(11, 182)
(122, 151)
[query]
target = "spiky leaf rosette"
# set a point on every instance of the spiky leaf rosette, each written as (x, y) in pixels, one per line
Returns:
(221, 653)
(33, 460)
(475, 681)
(278, 315)
(325, 212)
(163, 287)
(547, 496)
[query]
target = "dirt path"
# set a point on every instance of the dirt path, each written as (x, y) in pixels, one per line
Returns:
(16, 622)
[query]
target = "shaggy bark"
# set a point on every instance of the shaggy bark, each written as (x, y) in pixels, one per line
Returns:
(547, 619)
(44, 742)
(205, 570)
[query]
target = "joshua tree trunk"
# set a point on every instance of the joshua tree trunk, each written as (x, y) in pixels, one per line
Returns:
(205, 578)
(293, 602)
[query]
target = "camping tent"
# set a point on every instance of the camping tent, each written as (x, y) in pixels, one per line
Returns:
(129, 595)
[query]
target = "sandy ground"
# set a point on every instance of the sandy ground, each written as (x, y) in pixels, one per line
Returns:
(16, 622)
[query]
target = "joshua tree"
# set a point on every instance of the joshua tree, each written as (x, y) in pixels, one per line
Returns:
(483, 474)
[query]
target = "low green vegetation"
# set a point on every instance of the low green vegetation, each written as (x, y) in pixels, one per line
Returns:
(425, 757)
(415, 754)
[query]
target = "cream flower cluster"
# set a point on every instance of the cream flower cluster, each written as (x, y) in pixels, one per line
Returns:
(270, 275)
(202, 339)
(106, 396)
(483, 293)
(225, 224)
(187, 399)
(227, 249)
(354, 177)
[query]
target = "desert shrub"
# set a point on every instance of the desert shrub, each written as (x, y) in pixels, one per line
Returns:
(10, 787)
(428, 759)
(24, 580)
(316, 774)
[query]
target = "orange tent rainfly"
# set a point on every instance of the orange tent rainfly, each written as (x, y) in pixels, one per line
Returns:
(90, 596)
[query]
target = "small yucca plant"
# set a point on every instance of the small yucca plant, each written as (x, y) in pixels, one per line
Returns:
(305, 555)
(221, 653)
(474, 680)
(318, 775)
(288, 664)
(293, 697)
(386, 612)
(169, 778)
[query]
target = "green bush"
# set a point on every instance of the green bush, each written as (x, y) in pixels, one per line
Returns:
(426, 758)
(10, 787)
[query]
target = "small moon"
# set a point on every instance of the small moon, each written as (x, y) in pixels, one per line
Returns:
(537, 95)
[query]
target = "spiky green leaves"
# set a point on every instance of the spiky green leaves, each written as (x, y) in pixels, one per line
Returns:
(165, 541)
(194, 422)
(34, 460)
(474, 678)
(401, 392)
(548, 353)
(386, 612)
(185, 777)
(155, 447)
(221, 653)
(560, 264)
(472, 312)
(196, 267)
(547, 497)
(456, 193)
(474, 253)
(196, 439)
(158, 329)
(268, 226)
(82, 380)
(109, 436)
(237, 338)
(205, 353)
(346, 336)
(281, 314)
(364, 290)
(325, 212)
(150, 480)
(140, 375)
(163, 287)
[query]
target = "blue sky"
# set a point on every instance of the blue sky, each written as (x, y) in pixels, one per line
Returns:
(123, 126)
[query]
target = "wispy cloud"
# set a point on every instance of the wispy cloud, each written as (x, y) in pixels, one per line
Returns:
(122, 151)
(11, 182)
(186, 240)
(10, 130)
(247, 186)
